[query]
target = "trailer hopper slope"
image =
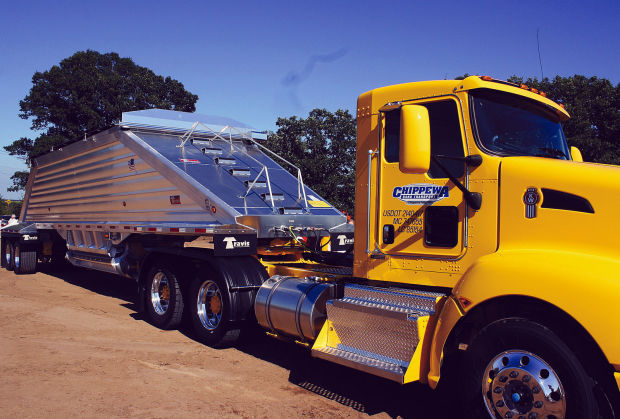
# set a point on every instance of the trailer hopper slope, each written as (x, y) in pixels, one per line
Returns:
(166, 171)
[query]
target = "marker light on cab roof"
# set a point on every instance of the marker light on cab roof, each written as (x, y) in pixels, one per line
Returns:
(521, 85)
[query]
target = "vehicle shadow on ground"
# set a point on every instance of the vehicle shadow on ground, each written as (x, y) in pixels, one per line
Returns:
(99, 282)
(360, 391)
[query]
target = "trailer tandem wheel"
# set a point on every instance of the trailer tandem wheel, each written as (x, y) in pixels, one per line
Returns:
(221, 298)
(24, 260)
(8, 255)
(164, 299)
(210, 311)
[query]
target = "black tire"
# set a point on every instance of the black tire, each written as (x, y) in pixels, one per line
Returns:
(8, 255)
(512, 363)
(25, 261)
(163, 296)
(211, 311)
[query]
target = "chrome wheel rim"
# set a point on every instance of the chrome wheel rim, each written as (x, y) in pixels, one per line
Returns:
(520, 384)
(7, 254)
(160, 293)
(209, 305)
(16, 257)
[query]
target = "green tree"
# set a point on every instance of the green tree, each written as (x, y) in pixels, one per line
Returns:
(87, 93)
(594, 106)
(15, 207)
(8, 207)
(323, 147)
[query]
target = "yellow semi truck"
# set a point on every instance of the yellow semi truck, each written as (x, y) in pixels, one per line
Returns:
(482, 260)
(484, 254)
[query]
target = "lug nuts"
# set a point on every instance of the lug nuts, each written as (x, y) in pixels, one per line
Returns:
(498, 390)
(538, 404)
(514, 374)
(503, 379)
(526, 378)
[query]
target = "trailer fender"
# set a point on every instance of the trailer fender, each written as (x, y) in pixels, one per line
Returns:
(244, 276)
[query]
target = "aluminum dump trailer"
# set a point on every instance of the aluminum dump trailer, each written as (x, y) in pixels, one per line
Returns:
(162, 178)
(173, 186)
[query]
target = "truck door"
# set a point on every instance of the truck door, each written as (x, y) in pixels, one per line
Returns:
(422, 214)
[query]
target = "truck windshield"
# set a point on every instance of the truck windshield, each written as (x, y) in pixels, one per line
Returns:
(508, 125)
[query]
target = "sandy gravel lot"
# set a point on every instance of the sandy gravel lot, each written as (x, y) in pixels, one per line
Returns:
(71, 344)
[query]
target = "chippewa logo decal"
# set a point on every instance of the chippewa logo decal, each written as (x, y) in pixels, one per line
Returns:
(420, 193)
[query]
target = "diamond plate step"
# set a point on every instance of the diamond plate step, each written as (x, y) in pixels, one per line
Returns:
(398, 297)
(380, 324)
(362, 362)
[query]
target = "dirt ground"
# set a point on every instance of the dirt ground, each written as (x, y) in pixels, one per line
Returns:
(72, 344)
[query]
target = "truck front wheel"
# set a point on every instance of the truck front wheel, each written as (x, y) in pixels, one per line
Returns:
(518, 368)
(164, 300)
(211, 311)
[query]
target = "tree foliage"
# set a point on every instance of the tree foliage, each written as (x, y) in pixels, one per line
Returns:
(8, 207)
(87, 93)
(323, 147)
(594, 106)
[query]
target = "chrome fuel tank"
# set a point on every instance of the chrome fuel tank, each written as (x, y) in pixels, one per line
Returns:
(293, 306)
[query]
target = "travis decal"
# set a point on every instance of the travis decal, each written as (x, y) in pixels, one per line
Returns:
(234, 244)
(530, 199)
(341, 242)
(420, 193)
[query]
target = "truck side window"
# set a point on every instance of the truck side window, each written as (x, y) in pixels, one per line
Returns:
(392, 136)
(445, 138)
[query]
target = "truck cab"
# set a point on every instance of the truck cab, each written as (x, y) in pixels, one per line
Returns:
(468, 187)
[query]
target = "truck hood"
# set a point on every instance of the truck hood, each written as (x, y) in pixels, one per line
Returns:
(559, 205)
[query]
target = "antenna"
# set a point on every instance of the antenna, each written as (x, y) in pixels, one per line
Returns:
(542, 76)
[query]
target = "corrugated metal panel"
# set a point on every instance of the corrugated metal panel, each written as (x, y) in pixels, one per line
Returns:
(107, 182)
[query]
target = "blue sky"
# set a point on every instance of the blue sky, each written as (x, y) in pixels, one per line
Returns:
(254, 61)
